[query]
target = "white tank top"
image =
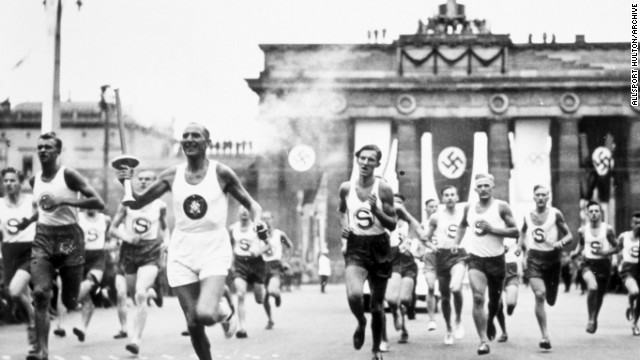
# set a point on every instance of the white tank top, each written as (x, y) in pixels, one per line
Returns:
(445, 234)
(591, 242)
(11, 215)
(62, 215)
(144, 222)
(244, 240)
(400, 234)
(630, 248)
(542, 237)
(94, 230)
(275, 253)
(361, 220)
(202, 207)
(481, 243)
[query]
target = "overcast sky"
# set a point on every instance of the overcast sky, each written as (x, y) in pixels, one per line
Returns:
(187, 60)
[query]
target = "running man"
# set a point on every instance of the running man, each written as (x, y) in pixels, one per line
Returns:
(511, 284)
(59, 241)
(544, 235)
(248, 265)
(405, 269)
(367, 213)
(141, 249)
(17, 243)
(430, 274)
(597, 243)
(272, 257)
(629, 243)
(95, 226)
(491, 221)
(450, 267)
(199, 254)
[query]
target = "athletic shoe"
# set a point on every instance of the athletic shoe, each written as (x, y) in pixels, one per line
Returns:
(37, 357)
(79, 333)
(404, 338)
(185, 333)
(358, 336)
(384, 346)
(545, 344)
(448, 339)
(635, 331)
(503, 338)
(483, 349)
(133, 348)
(59, 332)
(377, 356)
(121, 335)
(432, 325)
(459, 333)
(269, 325)
(241, 334)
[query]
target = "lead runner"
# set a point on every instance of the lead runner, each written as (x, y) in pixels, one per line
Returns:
(199, 254)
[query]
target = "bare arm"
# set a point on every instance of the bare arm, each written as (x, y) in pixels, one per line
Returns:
(231, 184)
(342, 208)
(580, 245)
(511, 229)
(115, 230)
(462, 228)
(386, 215)
(611, 237)
(563, 228)
(77, 182)
(520, 246)
(25, 222)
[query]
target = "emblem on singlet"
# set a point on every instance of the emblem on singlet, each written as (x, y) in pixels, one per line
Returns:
(244, 244)
(452, 230)
(141, 225)
(539, 235)
(195, 207)
(43, 198)
(477, 230)
(12, 226)
(634, 251)
(92, 235)
(595, 247)
(364, 218)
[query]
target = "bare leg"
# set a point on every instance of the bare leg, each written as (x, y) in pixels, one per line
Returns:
(354, 278)
(121, 290)
(146, 276)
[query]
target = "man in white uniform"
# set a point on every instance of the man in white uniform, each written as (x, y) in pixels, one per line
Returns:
(199, 254)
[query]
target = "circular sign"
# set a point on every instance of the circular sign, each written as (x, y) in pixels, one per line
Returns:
(602, 160)
(302, 158)
(195, 207)
(452, 162)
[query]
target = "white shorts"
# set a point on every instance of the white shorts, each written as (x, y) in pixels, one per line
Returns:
(192, 257)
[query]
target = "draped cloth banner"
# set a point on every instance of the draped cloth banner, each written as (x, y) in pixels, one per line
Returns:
(480, 162)
(531, 152)
(418, 57)
(426, 168)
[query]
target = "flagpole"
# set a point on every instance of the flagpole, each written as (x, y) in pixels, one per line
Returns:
(51, 101)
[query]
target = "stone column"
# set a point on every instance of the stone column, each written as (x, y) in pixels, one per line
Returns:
(408, 166)
(566, 192)
(633, 164)
(499, 156)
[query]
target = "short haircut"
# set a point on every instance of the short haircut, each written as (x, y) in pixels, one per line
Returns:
(594, 203)
(52, 136)
(481, 176)
(371, 147)
(153, 173)
(636, 214)
(11, 170)
(540, 186)
(204, 129)
(447, 187)
(426, 203)
(399, 196)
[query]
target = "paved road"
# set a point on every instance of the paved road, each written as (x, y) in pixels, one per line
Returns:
(310, 325)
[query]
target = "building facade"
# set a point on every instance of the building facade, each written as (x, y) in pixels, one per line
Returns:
(449, 101)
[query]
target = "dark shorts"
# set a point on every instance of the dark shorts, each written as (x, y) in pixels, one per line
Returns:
(601, 268)
(446, 260)
(494, 267)
(403, 264)
(631, 270)
(372, 253)
(15, 256)
(430, 262)
(144, 253)
(94, 260)
(511, 277)
(272, 268)
(61, 245)
(251, 269)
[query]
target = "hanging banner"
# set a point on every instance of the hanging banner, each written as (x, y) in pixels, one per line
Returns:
(426, 168)
(377, 132)
(480, 162)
